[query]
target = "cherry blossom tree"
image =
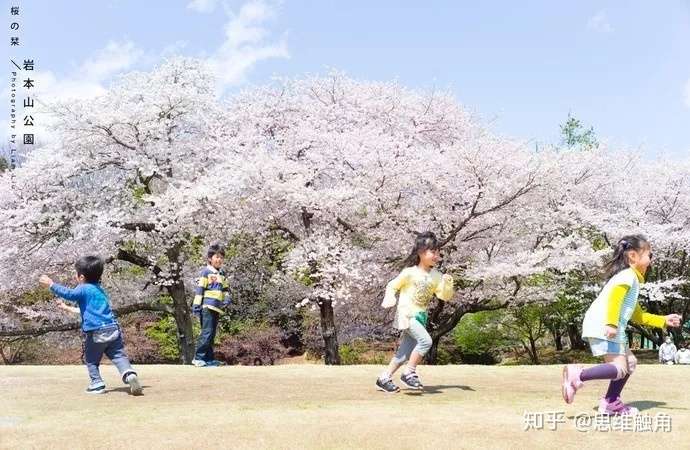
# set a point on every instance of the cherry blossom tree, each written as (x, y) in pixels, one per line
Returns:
(345, 172)
(362, 167)
(134, 177)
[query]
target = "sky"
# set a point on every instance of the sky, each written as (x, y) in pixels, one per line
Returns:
(622, 67)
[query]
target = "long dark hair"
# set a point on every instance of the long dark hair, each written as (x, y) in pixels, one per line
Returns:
(619, 261)
(424, 241)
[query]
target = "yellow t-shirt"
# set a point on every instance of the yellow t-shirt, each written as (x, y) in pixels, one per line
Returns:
(416, 288)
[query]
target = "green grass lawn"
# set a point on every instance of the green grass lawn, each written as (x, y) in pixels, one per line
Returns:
(316, 406)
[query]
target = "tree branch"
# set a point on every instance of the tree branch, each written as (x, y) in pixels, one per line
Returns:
(121, 311)
(110, 134)
(135, 226)
(133, 258)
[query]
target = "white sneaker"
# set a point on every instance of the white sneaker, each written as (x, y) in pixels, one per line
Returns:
(96, 388)
(198, 363)
(134, 386)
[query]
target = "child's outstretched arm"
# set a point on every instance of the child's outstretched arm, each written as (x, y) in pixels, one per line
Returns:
(72, 295)
(445, 289)
(392, 287)
(641, 317)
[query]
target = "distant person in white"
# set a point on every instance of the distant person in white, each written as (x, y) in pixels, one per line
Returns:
(667, 351)
(683, 355)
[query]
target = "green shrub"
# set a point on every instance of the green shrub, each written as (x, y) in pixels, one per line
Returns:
(359, 352)
(480, 337)
(164, 334)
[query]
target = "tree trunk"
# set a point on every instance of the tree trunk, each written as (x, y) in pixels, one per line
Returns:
(329, 333)
(557, 338)
(183, 320)
(576, 342)
(10, 350)
(533, 355)
(181, 310)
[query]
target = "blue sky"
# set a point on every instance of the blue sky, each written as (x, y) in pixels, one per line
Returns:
(622, 67)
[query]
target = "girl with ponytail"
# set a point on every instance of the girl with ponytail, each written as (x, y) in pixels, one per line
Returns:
(605, 322)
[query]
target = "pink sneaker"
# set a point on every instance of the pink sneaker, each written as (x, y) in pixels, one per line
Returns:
(616, 408)
(571, 381)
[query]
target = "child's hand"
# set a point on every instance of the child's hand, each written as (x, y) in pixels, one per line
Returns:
(610, 331)
(45, 281)
(447, 278)
(673, 320)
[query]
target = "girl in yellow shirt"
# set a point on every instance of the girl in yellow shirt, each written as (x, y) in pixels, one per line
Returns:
(416, 284)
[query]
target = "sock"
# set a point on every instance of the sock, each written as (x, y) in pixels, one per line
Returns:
(615, 388)
(410, 369)
(385, 376)
(606, 371)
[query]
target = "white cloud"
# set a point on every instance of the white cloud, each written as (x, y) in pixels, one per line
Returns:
(174, 48)
(112, 59)
(86, 82)
(599, 23)
(247, 41)
(686, 93)
(89, 79)
(203, 6)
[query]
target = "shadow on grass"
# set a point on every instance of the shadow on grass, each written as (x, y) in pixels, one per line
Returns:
(440, 389)
(125, 389)
(644, 405)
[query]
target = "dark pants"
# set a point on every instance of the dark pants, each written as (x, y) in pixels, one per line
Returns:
(204, 346)
(115, 350)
